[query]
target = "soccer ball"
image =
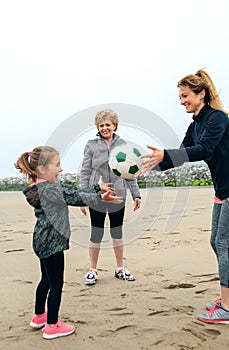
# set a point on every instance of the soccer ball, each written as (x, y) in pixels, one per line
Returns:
(125, 160)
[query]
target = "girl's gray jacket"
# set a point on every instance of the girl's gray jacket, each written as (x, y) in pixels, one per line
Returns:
(95, 163)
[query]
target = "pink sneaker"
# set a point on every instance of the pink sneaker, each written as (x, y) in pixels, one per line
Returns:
(38, 321)
(59, 330)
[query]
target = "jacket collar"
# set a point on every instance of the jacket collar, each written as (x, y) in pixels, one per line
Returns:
(114, 135)
(197, 118)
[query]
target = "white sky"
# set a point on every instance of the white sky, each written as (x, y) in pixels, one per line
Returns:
(60, 57)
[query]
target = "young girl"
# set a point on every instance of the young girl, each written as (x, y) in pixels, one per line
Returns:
(207, 138)
(52, 230)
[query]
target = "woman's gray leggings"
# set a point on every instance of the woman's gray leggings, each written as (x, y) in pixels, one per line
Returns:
(220, 239)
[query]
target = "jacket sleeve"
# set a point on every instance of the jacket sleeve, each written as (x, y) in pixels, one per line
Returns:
(86, 167)
(80, 197)
(210, 138)
(54, 196)
(171, 162)
(134, 189)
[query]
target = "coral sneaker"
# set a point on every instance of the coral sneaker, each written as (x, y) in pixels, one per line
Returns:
(59, 330)
(38, 321)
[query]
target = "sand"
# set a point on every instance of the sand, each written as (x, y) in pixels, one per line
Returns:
(167, 249)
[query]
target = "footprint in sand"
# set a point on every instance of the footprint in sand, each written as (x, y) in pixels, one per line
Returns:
(22, 282)
(199, 335)
(108, 332)
(117, 309)
(159, 298)
(24, 232)
(214, 277)
(174, 233)
(202, 334)
(187, 310)
(202, 291)
(15, 250)
(180, 285)
(7, 240)
(72, 284)
(162, 312)
(213, 332)
(81, 322)
(210, 280)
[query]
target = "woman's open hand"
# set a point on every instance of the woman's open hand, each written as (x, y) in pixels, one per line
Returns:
(151, 160)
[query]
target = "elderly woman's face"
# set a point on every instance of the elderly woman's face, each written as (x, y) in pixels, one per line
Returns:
(106, 129)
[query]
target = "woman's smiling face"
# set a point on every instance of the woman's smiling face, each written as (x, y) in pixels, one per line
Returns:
(106, 129)
(193, 102)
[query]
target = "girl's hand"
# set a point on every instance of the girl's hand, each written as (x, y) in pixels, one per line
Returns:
(150, 161)
(105, 186)
(108, 197)
(84, 210)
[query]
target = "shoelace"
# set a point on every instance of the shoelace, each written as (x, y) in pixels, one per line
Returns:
(217, 300)
(213, 310)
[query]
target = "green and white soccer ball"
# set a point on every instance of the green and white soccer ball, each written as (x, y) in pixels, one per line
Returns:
(125, 160)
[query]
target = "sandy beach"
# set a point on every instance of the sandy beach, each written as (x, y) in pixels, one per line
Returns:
(168, 251)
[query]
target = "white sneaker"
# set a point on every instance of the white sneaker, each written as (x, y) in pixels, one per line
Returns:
(91, 277)
(124, 274)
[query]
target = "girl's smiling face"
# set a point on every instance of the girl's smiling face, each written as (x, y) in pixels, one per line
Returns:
(51, 171)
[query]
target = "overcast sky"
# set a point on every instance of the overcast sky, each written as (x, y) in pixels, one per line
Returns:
(61, 57)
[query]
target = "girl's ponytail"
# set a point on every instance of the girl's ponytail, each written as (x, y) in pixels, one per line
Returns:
(28, 162)
(24, 165)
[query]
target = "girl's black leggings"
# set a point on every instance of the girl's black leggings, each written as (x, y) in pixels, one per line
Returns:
(50, 285)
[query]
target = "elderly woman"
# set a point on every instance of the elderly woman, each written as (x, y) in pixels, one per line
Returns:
(95, 164)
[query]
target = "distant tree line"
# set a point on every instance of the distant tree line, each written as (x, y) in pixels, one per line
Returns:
(174, 183)
(13, 187)
(146, 183)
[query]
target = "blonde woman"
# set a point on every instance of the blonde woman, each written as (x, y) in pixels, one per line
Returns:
(207, 139)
